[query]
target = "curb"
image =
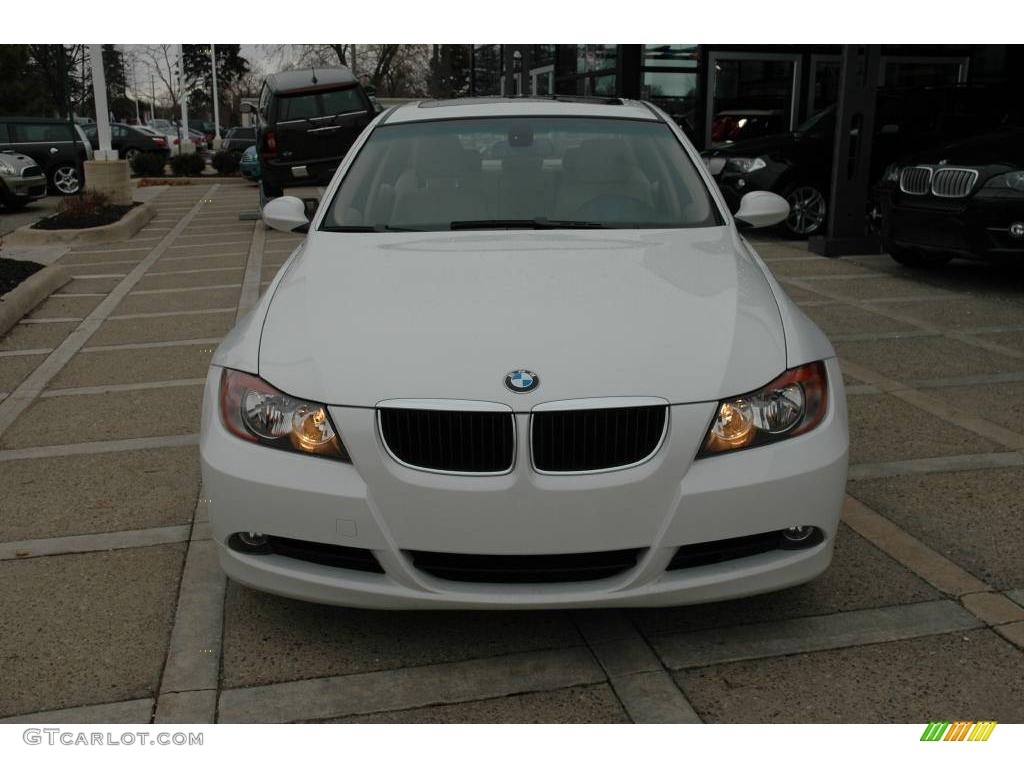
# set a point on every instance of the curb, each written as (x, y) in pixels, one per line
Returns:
(15, 304)
(129, 224)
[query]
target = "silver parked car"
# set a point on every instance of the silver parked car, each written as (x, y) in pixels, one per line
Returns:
(21, 180)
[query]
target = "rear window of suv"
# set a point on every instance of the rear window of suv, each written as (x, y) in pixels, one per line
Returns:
(302, 106)
(40, 132)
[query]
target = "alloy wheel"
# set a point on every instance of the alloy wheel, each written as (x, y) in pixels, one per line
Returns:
(807, 209)
(65, 179)
(131, 154)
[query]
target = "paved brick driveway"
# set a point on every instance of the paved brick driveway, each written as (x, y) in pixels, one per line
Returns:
(111, 608)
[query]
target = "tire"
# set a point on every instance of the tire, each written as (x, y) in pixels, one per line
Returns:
(914, 259)
(808, 211)
(66, 180)
(131, 153)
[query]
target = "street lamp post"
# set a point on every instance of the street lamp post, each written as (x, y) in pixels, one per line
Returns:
(216, 106)
(184, 142)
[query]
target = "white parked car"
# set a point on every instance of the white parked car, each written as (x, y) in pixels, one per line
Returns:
(555, 378)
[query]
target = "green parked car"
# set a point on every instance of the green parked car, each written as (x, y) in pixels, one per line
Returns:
(249, 165)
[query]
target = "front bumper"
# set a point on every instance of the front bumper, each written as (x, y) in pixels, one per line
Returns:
(977, 227)
(670, 501)
(23, 187)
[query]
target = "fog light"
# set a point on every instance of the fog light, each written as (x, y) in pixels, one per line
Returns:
(799, 534)
(1017, 229)
(249, 542)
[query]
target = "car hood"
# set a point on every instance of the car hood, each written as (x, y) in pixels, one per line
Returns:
(686, 315)
(1003, 148)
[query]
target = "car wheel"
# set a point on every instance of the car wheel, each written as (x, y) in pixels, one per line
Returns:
(914, 259)
(808, 211)
(131, 153)
(65, 179)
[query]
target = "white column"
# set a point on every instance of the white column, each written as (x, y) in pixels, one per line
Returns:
(99, 95)
(216, 106)
(186, 142)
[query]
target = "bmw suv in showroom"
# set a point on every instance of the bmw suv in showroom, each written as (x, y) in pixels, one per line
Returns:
(554, 375)
(963, 200)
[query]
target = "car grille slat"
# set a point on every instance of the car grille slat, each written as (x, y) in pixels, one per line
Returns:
(595, 440)
(461, 442)
(916, 180)
(526, 569)
(953, 182)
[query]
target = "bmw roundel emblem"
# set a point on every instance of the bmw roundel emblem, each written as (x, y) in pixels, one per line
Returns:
(522, 380)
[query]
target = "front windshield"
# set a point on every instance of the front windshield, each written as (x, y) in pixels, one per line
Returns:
(544, 172)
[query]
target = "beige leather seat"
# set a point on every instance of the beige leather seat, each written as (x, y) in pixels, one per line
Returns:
(443, 185)
(599, 168)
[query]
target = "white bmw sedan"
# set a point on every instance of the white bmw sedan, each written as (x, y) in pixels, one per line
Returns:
(524, 358)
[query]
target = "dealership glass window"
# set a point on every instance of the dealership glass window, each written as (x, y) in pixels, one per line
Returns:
(824, 85)
(752, 83)
(595, 58)
(675, 92)
(671, 56)
(487, 70)
(910, 73)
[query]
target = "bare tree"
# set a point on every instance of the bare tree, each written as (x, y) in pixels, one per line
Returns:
(162, 62)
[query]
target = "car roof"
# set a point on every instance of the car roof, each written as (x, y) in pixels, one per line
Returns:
(299, 79)
(451, 109)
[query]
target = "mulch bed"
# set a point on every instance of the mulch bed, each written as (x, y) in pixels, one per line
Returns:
(107, 215)
(12, 272)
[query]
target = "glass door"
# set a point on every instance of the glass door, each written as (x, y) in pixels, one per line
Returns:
(751, 95)
(542, 80)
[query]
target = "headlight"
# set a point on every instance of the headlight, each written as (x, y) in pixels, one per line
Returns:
(892, 173)
(255, 411)
(1013, 180)
(791, 405)
(745, 164)
(7, 169)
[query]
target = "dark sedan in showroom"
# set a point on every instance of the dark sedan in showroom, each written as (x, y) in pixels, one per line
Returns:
(965, 199)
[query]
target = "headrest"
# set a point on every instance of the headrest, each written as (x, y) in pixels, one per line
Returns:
(443, 157)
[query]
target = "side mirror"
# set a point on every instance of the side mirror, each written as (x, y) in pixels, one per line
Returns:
(762, 209)
(285, 214)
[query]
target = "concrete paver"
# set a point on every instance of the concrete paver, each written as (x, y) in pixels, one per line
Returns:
(99, 635)
(130, 366)
(974, 518)
(85, 418)
(883, 428)
(147, 329)
(961, 675)
(272, 639)
(583, 704)
(112, 492)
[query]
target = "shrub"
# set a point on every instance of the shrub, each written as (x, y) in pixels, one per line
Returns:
(187, 165)
(148, 164)
(226, 163)
(88, 203)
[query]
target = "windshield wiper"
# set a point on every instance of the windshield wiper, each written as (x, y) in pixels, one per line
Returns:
(367, 228)
(536, 223)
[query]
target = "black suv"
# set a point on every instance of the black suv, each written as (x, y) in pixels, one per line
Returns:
(307, 120)
(963, 199)
(798, 165)
(59, 148)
